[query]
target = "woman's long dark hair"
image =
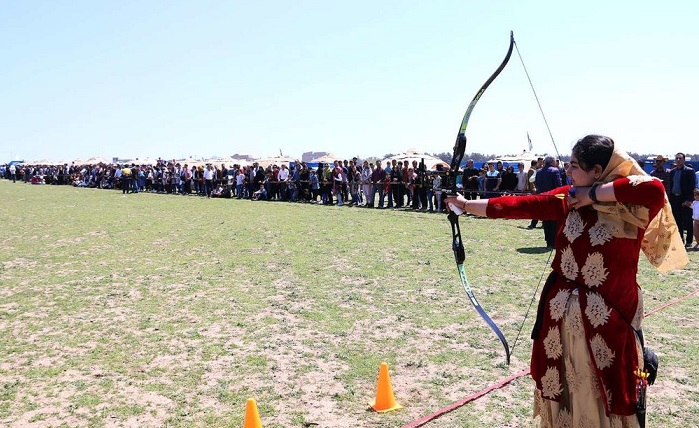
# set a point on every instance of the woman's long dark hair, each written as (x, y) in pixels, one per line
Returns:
(592, 150)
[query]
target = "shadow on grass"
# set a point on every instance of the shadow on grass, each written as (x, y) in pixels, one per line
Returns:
(533, 250)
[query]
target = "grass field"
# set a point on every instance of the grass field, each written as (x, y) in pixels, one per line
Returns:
(154, 310)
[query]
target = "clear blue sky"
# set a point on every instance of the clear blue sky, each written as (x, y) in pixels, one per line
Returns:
(203, 78)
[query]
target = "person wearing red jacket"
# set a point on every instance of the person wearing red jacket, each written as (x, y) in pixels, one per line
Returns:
(587, 336)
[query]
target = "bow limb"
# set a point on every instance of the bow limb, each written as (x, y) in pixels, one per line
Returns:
(460, 145)
(457, 243)
(460, 256)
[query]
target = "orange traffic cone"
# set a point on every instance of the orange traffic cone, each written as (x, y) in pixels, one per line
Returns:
(252, 417)
(385, 400)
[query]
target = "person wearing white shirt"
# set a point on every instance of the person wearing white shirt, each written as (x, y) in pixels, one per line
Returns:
(239, 180)
(283, 177)
(209, 179)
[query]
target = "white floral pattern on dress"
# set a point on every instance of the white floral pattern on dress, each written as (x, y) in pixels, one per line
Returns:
(597, 311)
(585, 422)
(594, 382)
(569, 266)
(564, 419)
(599, 234)
(557, 305)
(594, 273)
(604, 357)
(572, 376)
(551, 383)
(574, 319)
(608, 393)
(574, 226)
(616, 421)
(635, 180)
(552, 344)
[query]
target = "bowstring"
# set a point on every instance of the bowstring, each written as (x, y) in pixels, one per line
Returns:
(548, 260)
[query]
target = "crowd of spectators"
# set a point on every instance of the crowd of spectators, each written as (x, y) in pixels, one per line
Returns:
(402, 185)
(349, 182)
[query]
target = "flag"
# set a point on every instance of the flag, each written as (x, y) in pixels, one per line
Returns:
(530, 142)
(280, 153)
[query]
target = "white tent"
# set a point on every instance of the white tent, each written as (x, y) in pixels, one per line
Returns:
(274, 160)
(328, 158)
(526, 158)
(228, 161)
(411, 155)
(95, 160)
(144, 161)
(190, 161)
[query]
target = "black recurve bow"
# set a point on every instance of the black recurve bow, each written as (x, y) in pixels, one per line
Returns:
(457, 243)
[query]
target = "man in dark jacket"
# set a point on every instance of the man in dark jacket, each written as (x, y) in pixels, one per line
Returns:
(681, 195)
(548, 178)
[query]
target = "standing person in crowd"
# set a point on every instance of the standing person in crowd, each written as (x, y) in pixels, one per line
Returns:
(469, 181)
(387, 189)
(481, 182)
(149, 179)
(261, 181)
(339, 181)
(187, 179)
(437, 187)
(319, 175)
(165, 179)
(682, 181)
(125, 179)
(199, 179)
(314, 184)
(377, 179)
(365, 180)
(283, 177)
(548, 178)
(509, 180)
(354, 185)
(239, 184)
(562, 172)
(531, 176)
(415, 185)
(522, 183)
(13, 173)
(326, 180)
(209, 179)
(422, 185)
(176, 181)
(407, 192)
(396, 184)
(500, 168)
(410, 184)
(660, 172)
(695, 218)
(493, 180)
(253, 186)
(587, 336)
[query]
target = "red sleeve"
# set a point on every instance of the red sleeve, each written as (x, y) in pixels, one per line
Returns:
(545, 206)
(641, 190)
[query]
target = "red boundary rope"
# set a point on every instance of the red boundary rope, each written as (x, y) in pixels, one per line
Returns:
(424, 420)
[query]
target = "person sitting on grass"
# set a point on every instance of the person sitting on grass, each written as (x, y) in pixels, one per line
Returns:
(261, 193)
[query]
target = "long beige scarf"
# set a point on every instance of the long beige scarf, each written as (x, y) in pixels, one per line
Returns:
(662, 243)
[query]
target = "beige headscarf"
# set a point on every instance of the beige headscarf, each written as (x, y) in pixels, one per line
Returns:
(662, 243)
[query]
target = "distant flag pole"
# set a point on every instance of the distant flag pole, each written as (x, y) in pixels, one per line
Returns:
(530, 142)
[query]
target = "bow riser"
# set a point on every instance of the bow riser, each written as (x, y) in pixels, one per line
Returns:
(457, 243)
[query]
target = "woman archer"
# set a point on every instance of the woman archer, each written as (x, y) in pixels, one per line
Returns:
(587, 341)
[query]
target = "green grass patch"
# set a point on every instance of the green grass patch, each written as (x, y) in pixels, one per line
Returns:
(156, 310)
